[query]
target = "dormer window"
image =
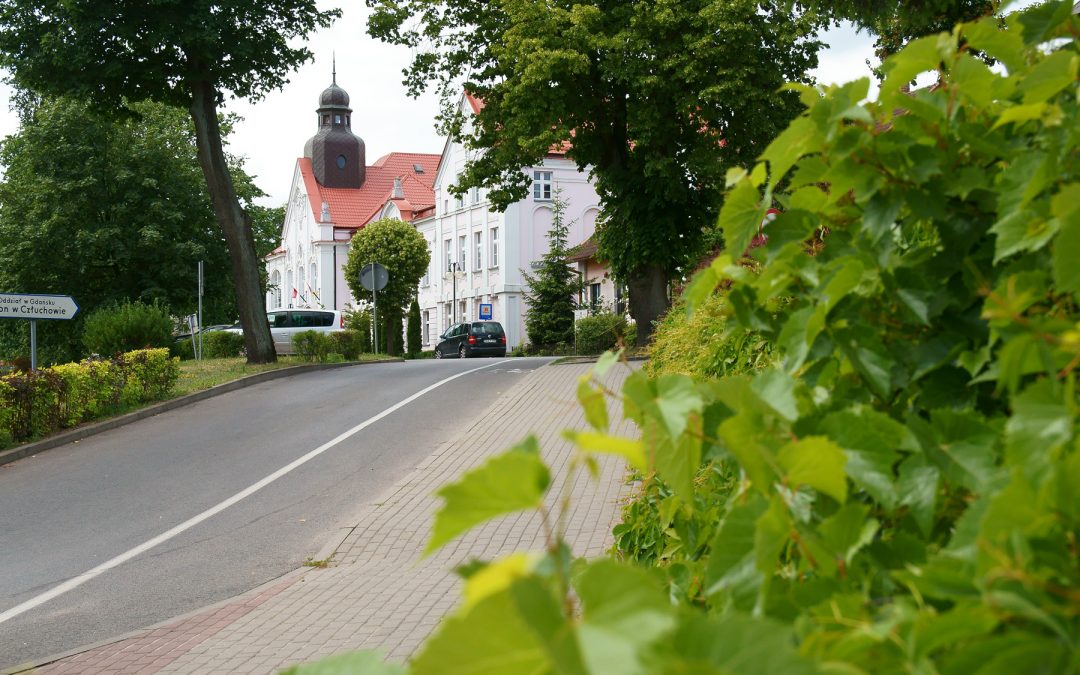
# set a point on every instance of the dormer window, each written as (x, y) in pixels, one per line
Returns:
(337, 119)
(326, 119)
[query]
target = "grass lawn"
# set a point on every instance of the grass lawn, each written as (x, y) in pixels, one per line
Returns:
(198, 375)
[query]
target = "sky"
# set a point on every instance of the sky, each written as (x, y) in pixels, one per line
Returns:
(274, 129)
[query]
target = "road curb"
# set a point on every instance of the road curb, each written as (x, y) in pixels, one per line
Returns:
(85, 431)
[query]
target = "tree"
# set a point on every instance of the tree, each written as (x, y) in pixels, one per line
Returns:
(894, 24)
(108, 210)
(657, 99)
(399, 248)
(183, 53)
(549, 320)
(413, 341)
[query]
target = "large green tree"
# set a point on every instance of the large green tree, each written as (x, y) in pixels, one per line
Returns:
(108, 210)
(188, 53)
(657, 98)
(399, 248)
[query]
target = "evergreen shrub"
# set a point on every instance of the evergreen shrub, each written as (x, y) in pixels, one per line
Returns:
(348, 343)
(127, 326)
(312, 345)
(413, 339)
(220, 344)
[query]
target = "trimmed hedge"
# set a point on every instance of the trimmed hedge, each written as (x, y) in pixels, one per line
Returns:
(312, 345)
(38, 403)
(127, 326)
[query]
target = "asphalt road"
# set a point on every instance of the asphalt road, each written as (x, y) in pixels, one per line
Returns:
(68, 510)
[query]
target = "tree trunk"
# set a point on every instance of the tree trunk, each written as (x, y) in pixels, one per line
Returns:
(648, 299)
(235, 224)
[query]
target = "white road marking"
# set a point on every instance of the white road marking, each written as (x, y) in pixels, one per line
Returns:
(79, 580)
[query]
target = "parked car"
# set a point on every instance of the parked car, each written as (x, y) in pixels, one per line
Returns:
(472, 338)
(285, 323)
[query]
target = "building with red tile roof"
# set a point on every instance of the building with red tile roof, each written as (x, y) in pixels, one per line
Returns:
(335, 193)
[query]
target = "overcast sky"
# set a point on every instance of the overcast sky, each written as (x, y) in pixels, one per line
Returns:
(274, 130)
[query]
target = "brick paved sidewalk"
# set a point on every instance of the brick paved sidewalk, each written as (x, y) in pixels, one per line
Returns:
(378, 593)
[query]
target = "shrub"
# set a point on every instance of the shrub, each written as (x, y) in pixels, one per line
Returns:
(600, 332)
(37, 403)
(182, 349)
(700, 345)
(127, 326)
(220, 344)
(360, 323)
(312, 345)
(348, 343)
(413, 339)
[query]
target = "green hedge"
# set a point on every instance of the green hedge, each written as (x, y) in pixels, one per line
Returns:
(600, 332)
(312, 345)
(130, 325)
(221, 344)
(38, 403)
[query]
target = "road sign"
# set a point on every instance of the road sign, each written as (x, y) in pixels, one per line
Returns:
(35, 307)
(374, 277)
(485, 311)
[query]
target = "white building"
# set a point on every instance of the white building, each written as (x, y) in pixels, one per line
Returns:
(334, 194)
(488, 250)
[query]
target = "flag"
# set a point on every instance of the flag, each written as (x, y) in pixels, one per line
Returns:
(294, 293)
(312, 291)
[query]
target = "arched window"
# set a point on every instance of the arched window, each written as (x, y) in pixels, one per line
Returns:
(290, 289)
(301, 287)
(314, 281)
(275, 290)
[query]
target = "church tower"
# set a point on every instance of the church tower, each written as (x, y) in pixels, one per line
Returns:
(336, 154)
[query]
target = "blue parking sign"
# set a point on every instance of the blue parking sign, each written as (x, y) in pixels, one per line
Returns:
(485, 311)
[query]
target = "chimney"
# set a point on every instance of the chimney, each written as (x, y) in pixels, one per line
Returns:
(399, 192)
(324, 217)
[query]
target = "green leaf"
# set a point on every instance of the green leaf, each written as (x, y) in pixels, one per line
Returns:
(705, 282)
(918, 56)
(1005, 46)
(1022, 230)
(1024, 113)
(623, 610)
(487, 638)
(1042, 21)
(966, 439)
(777, 389)
(870, 359)
(677, 463)
(771, 533)
(732, 565)
(367, 662)
(669, 399)
(917, 488)
(1049, 76)
(1065, 206)
(953, 627)
(741, 216)
(605, 362)
(848, 530)
(513, 481)
(745, 439)
(801, 137)
(633, 451)
(1040, 425)
(539, 609)
(593, 403)
(818, 462)
(729, 644)
(870, 440)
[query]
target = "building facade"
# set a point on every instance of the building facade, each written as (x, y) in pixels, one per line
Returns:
(479, 255)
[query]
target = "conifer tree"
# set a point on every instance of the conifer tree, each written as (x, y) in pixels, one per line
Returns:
(549, 319)
(413, 338)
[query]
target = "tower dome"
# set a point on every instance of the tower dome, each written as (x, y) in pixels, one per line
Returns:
(336, 153)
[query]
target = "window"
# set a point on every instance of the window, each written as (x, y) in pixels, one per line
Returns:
(300, 284)
(275, 290)
(447, 314)
(620, 300)
(462, 315)
(474, 195)
(313, 281)
(278, 319)
(341, 161)
(459, 201)
(426, 281)
(594, 296)
(426, 329)
(476, 308)
(478, 238)
(494, 247)
(326, 119)
(542, 185)
(337, 119)
(449, 255)
(461, 253)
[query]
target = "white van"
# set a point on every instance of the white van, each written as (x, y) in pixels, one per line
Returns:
(285, 323)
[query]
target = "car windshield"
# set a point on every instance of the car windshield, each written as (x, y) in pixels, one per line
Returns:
(487, 329)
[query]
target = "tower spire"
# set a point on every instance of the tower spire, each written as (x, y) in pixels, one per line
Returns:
(333, 68)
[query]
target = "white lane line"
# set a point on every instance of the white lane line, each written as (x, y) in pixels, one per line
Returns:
(81, 579)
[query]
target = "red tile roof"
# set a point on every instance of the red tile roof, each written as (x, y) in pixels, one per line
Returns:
(353, 208)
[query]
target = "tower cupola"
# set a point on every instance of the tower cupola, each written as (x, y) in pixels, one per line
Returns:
(336, 153)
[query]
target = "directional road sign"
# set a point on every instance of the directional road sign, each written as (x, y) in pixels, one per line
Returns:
(35, 307)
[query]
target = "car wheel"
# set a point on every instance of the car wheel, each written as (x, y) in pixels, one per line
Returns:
(462, 353)
(438, 353)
